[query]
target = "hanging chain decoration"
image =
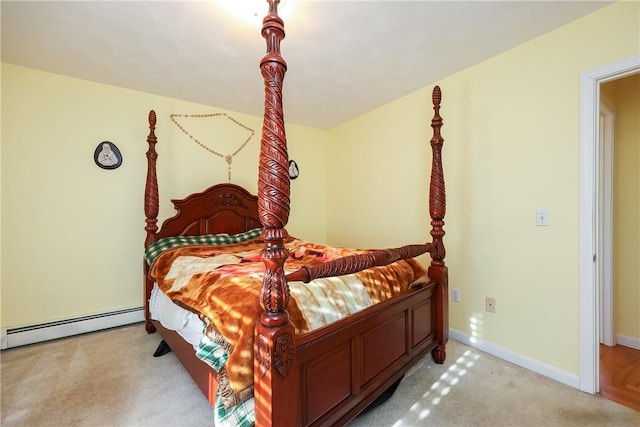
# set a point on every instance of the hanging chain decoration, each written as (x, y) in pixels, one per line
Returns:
(227, 157)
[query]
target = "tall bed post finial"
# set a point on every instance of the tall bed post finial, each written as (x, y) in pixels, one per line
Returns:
(437, 208)
(273, 175)
(275, 367)
(150, 211)
(151, 189)
(437, 198)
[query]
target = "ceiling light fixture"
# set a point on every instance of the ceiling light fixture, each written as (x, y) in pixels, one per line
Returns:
(253, 11)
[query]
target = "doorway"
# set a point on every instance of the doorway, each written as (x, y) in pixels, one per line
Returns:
(589, 207)
(618, 237)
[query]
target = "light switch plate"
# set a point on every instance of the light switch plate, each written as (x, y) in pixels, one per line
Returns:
(542, 217)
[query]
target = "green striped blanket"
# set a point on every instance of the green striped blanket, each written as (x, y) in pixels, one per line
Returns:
(241, 415)
(154, 250)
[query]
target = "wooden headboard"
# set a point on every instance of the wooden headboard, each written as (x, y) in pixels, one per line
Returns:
(222, 208)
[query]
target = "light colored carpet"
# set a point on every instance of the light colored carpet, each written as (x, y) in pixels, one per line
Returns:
(473, 388)
(110, 379)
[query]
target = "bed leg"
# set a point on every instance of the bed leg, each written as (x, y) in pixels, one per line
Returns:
(441, 275)
(148, 285)
(276, 373)
(439, 354)
(148, 326)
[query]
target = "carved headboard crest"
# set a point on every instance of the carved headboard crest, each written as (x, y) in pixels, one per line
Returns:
(225, 199)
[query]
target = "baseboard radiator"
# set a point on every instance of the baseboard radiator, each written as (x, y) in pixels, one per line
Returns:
(24, 335)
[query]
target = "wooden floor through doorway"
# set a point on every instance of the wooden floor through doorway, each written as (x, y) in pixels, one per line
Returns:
(620, 375)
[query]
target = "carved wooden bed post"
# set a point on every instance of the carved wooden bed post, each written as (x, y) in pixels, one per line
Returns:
(275, 368)
(151, 203)
(437, 209)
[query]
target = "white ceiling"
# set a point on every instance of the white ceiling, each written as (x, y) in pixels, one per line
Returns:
(345, 57)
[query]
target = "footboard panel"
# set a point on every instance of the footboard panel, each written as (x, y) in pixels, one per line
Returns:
(326, 381)
(382, 346)
(348, 364)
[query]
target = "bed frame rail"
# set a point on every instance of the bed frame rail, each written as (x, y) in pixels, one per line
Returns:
(355, 263)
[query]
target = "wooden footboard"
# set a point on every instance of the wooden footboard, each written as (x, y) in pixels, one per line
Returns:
(346, 366)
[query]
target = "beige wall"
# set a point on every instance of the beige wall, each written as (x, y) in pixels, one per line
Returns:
(624, 97)
(72, 233)
(511, 147)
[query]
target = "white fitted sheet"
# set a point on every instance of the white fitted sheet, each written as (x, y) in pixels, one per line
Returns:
(187, 324)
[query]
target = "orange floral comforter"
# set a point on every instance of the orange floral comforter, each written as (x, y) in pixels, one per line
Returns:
(222, 283)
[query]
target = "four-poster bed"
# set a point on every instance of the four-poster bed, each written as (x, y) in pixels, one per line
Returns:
(299, 374)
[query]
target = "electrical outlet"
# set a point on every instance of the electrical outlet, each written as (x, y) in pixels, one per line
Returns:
(490, 305)
(455, 294)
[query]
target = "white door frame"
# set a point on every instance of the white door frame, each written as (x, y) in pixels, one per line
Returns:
(589, 159)
(604, 202)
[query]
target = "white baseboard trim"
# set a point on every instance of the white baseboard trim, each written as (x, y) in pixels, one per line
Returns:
(16, 337)
(3, 342)
(518, 359)
(627, 341)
